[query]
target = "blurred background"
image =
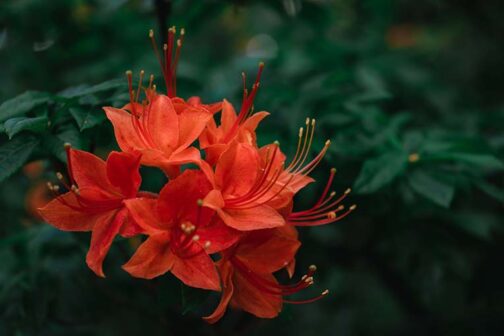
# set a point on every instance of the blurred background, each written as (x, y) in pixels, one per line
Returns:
(409, 92)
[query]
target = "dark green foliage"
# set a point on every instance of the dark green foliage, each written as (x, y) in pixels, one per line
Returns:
(409, 93)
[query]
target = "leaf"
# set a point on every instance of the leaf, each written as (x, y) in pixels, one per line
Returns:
(15, 125)
(22, 104)
(432, 188)
(82, 90)
(14, 153)
(87, 118)
(380, 171)
(485, 161)
(54, 143)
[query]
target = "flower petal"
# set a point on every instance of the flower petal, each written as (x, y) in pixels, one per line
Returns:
(60, 212)
(268, 251)
(237, 169)
(123, 172)
(162, 123)
(127, 137)
(105, 229)
(227, 292)
(198, 270)
(144, 213)
(178, 199)
(259, 217)
(152, 259)
(191, 123)
(257, 302)
(89, 171)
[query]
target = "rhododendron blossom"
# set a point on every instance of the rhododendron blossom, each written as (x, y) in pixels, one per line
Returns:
(228, 223)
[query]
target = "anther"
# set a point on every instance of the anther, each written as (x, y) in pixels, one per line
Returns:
(67, 145)
(312, 268)
(301, 132)
(327, 143)
(195, 238)
(199, 202)
(348, 191)
(59, 176)
(325, 292)
(151, 33)
(207, 244)
(333, 170)
(353, 207)
(331, 215)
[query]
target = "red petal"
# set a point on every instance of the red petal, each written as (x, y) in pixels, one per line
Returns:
(198, 270)
(268, 251)
(144, 213)
(227, 292)
(104, 231)
(122, 172)
(58, 214)
(162, 123)
(237, 169)
(152, 259)
(259, 217)
(89, 171)
(126, 135)
(219, 235)
(257, 302)
(191, 123)
(228, 116)
(178, 199)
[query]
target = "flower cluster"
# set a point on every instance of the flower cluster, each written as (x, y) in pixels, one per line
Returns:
(226, 223)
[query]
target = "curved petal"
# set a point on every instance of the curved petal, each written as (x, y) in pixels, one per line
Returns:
(123, 172)
(61, 213)
(198, 270)
(127, 137)
(237, 169)
(219, 235)
(259, 217)
(226, 273)
(268, 251)
(178, 199)
(161, 121)
(152, 259)
(144, 213)
(89, 171)
(191, 123)
(257, 302)
(228, 116)
(104, 231)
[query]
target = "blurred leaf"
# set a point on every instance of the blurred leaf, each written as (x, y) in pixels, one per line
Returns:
(87, 117)
(83, 90)
(15, 125)
(21, 104)
(14, 153)
(380, 171)
(431, 188)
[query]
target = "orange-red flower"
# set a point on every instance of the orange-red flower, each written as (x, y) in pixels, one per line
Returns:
(241, 128)
(247, 269)
(242, 194)
(181, 233)
(95, 200)
(158, 132)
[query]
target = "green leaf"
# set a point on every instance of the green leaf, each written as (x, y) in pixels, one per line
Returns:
(14, 153)
(82, 90)
(87, 118)
(485, 161)
(22, 104)
(432, 188)
(380, 171)
(15, 125)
